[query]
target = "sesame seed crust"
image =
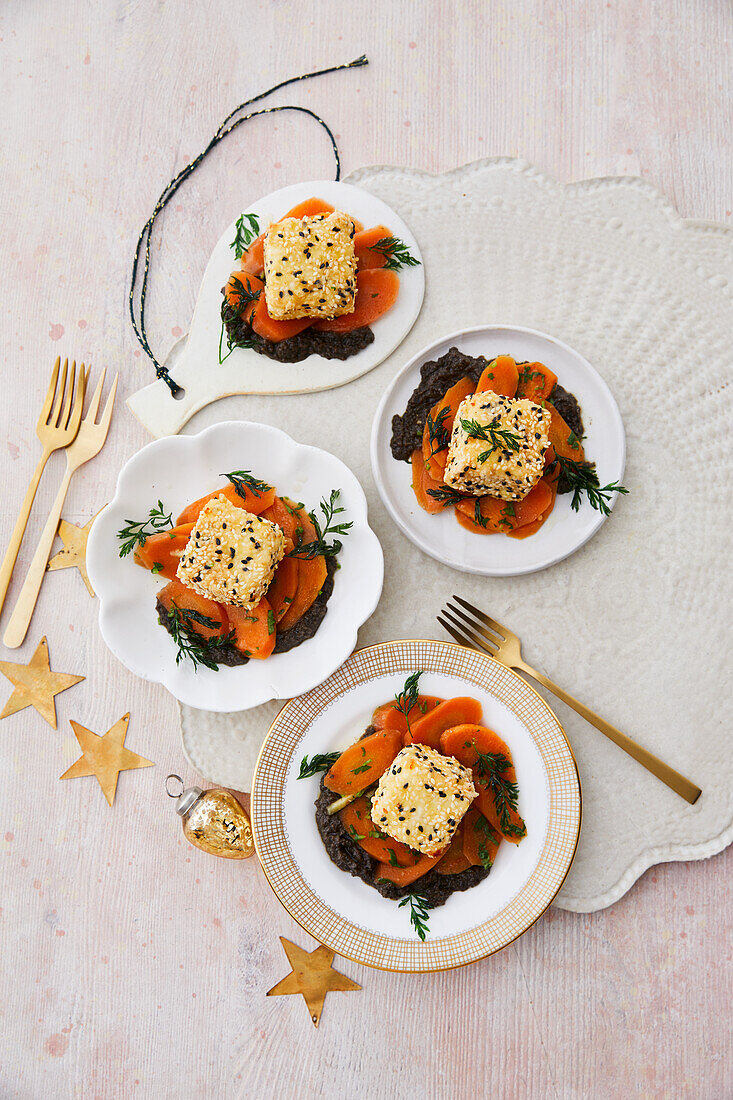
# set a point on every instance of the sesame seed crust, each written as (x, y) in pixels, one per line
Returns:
(438, 792)
(231, 555)
(314, 263)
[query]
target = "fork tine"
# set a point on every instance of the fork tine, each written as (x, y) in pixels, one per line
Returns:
(497, 627)
(60, 390)
(107, 413)
(94, 403)
(465, 620)
(474, 640)
(68, 398)
(78, 407)
(454, 633)
(50, 392)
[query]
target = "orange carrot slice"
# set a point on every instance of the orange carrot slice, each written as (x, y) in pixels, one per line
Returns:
(423, 484)
(500, 376)
(312, 572)
(364, 762)
(250, 501)
(161, 553)
(562, 437)
(366, 255)
(496, 515)
(281, 592)
(376, 292)
(454, 861)
(536, 381)
(253, 260)
(255, 630)
(405, 876)
(240, 285)
(275, 331)
(186, 599)
(480, 840)
(465, 742)
(436, 458)
(309, 208)
(357, 820)
(453, 712)
(388, 717)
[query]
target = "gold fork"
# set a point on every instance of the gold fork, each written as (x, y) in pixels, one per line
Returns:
(57, 427)
(88, 443)
(505, 647)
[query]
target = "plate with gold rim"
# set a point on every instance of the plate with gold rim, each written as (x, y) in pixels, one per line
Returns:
(346, 914)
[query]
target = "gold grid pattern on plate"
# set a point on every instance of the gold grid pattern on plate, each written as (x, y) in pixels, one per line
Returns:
(378, 949)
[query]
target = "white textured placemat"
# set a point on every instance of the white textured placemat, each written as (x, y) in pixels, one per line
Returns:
(634, 624)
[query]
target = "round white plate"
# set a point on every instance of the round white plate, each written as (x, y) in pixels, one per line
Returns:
(344, 913)
(565, 531)
(195, 363)
(180, 469)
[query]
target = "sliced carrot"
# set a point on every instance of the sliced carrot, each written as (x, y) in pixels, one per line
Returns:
(463, 388)
(453, 712)
(496, 515)
(253, 260)
(312, 572)
(240, 285)
(250, 501)
(275, 331)
(423, 486)
(162, 552)
(454, 861)
(186, 599)
(281, 592)
(255, 630)
(465, 742)
(357, 820)
(499, 376)
(562, 437)
(364, 762)
(366, 255)
(480, 840)
(387, 717)
(405, 876)
(376, 292)
(309, 208)
(536, 381)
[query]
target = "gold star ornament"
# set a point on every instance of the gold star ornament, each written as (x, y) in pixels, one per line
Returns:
(105, 756)
(312, 976)
(36, 685)
(74, 553)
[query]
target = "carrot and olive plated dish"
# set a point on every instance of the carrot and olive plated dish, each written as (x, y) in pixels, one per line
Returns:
(235, 565)
(419, 809)
(511, 437)
(312, 283)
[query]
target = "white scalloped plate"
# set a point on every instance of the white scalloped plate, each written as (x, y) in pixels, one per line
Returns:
(565, 531)
(194, 361)
(180, 469)
(344, 913)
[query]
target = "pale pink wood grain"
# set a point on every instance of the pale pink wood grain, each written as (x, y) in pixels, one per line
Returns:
(132, 964)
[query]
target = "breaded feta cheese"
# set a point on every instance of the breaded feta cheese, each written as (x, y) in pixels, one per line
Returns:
(310, 267)
(482, 460)
(231, 555)
(422, 797)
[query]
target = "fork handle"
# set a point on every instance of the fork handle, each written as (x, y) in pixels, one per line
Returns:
(678, 783)
(23, 610)
(11, 554)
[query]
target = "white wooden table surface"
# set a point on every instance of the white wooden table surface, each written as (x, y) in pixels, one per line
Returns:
(132, 964)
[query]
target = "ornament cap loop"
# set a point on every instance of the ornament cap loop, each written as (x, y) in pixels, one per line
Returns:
(169, 792)
(187, 800)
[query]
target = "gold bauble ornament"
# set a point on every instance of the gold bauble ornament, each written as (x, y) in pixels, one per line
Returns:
(213, 821)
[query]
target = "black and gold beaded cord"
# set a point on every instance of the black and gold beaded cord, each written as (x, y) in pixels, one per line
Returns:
(230, 123)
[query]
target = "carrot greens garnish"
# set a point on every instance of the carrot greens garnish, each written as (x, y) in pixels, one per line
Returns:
(136, 531)
(446, 495)
(583, 479)
(490, 767)
(242, 480)
(319, 762)
(438, 434)
(406, 699)
(397, 253)
(419, 907)
(319, 547)
(500, 439)
(190, 644)
(248, 227)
